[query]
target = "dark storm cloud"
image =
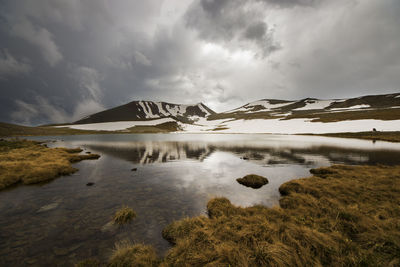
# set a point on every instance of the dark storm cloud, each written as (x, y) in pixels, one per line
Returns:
(291, 3)
(236, 24)
(62, 60)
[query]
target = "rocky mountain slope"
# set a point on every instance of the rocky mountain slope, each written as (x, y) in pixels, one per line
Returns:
(365, 107)
(149, 110)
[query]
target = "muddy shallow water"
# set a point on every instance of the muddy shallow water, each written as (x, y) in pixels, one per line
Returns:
(65, 221)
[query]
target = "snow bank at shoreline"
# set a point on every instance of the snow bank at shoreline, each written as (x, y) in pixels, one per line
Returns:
(274, 126)
(295, 126)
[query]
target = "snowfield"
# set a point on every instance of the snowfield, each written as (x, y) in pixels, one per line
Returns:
(275, 126)
(115, 126)
(316, 104)
(352, 107)
(264, 103)
(294, 126)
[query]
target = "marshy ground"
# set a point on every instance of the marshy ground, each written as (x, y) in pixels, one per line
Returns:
(30, 162)
(341, 216)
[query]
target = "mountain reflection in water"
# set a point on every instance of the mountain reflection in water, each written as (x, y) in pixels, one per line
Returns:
(320, 154)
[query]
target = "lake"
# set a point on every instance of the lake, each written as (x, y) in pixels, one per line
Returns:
(65, 221)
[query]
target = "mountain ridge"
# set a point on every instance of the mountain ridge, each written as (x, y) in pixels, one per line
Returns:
(307, 115)
(148, 110)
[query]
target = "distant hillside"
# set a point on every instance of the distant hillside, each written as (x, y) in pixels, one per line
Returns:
(309, 115)
(149, 110)
(380, 107)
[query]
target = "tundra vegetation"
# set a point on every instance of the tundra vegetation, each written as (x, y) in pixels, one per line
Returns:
(139, 255)
(373, 135)
(7, 130)
(253, 181)
(341, 216)
(124, 215)
(30, 162)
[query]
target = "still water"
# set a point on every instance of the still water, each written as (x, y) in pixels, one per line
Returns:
(64, 221)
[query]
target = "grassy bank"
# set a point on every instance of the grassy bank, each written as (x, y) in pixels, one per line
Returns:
(8, 130)
(382, 136)
(341, 216)
(29, 162)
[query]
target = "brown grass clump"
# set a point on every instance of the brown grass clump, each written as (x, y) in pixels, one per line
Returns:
(124, 215)
(73, 150)
(253, 181)
(89, 263)
(127, 255)
(29, 162)
(349, 217)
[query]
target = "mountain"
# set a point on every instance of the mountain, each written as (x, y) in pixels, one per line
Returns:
(149, 110)
(383, 107)
(309, 115)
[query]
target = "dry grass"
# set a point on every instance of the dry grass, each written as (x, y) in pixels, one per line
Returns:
(29, 162)
(7, 129)
(341, 216)
(128, 255)
(253, 181)
(124, 215)
(382, 136)
(350, 217)
(89, 263)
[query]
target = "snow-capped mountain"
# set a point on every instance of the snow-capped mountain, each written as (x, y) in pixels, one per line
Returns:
(309, 115)
(315, 108)
(149, 110)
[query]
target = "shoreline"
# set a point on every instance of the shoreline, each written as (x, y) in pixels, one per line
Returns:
(343, 214)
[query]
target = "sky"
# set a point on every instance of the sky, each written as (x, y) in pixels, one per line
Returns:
(63, 60)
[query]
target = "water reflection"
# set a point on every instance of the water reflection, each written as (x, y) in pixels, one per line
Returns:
(262, 153)
(64, 221)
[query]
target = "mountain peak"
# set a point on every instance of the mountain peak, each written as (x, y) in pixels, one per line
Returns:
(139, 110)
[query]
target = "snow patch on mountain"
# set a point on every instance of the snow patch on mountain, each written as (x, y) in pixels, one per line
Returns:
(201, 107)
(316, 104)
(267, 106)
(353, 107)
(160, 109)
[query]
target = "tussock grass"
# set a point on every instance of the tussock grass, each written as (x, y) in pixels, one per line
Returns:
(128, 255)
(124, 215)
(253, 181)
(28, 162)
(341, 216)
(89, 263)
(345, 216)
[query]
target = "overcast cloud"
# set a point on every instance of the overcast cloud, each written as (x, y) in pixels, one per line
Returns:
(63, 60)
